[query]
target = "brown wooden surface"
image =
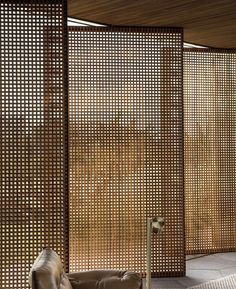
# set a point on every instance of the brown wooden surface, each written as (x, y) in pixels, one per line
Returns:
(125, 135)
(210, 159)
(209, 23)
(33, 146)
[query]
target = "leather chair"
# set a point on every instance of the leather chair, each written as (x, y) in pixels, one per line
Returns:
(47, 273)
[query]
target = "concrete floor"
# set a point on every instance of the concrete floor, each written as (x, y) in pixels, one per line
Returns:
(199, 269)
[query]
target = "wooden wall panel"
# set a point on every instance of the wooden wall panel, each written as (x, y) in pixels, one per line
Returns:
(33, 109)
(210, 159)
(126, 153)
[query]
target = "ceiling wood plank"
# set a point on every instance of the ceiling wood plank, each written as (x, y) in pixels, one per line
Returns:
(210, 23)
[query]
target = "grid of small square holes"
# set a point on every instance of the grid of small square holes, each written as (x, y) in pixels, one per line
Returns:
(126, 158)
(210, 156)
(33, 148)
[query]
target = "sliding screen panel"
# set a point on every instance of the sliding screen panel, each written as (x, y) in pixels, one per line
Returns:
(210, 156)
(126, 153)
(33, 106)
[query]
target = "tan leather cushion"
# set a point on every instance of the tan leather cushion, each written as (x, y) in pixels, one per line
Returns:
(105, 279)
(47, 272)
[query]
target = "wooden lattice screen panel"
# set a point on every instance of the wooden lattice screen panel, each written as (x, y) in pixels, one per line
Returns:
(210, 159)
(126, 153)
(33, 166)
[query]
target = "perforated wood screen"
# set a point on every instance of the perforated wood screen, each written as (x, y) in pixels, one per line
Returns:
(33, 167)
(126, 159)
(210, 159)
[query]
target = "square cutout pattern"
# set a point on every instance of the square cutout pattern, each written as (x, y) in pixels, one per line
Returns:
(33, 167)
(210, 157)
(126, 151)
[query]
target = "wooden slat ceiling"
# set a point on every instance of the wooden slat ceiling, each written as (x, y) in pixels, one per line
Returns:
(206, 22)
